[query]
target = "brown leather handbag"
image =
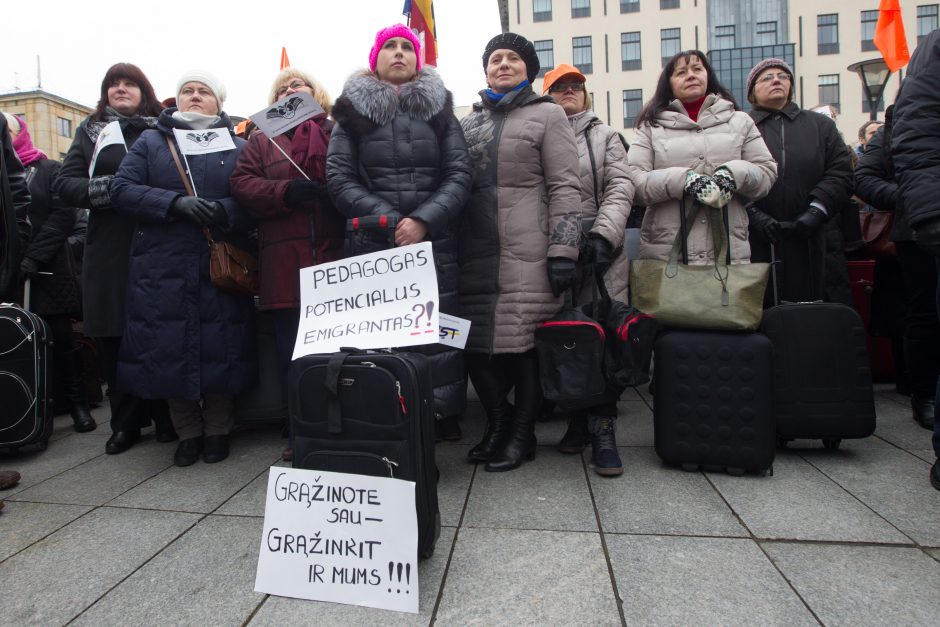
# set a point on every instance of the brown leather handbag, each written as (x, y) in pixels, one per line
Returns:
(230, 268)
(876, 233)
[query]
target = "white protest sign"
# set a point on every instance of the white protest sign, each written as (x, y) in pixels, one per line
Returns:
(201, 142)
(345, 538)
(454, 331)
(286, 113)
(379, 300)
(109, 135)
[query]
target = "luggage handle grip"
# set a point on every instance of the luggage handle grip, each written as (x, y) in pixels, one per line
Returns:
(334, 413)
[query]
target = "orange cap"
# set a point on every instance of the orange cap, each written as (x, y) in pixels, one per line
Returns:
(560, 71)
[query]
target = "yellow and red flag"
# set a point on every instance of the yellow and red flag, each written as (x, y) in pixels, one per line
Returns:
(285, 62)
(889, 35)
(421, 19)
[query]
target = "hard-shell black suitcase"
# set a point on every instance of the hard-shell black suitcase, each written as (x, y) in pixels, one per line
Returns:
(713, 401)
(26, 406)
(369, 413)
(822, 377)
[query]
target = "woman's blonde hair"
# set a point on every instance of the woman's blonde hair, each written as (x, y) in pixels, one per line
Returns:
(319, 91)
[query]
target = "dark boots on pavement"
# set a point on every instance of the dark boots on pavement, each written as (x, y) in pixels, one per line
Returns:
(605, 459)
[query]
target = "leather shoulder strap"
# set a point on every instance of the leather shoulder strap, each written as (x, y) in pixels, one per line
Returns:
(179, 166)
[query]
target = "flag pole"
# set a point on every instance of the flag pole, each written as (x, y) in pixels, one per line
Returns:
(288, 158)
(190, 173)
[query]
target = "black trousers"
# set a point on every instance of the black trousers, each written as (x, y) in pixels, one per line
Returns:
(69, 371)
(128, 412)
(494, 377)
(921, 328)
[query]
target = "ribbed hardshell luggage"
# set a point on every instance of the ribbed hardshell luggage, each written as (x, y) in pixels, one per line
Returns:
(369, 413)
(822, 379)
(26, 406)
(713, 401)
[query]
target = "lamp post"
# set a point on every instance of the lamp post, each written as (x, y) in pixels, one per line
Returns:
(874, 74)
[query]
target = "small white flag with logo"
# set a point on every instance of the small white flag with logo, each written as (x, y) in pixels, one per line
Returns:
(286, 113)
(204, 141)
(110, 134)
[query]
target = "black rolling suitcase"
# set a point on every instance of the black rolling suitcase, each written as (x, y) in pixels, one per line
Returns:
(713, 401)
(266, 402)
(369, 413)
(822, 377)
(26, 406)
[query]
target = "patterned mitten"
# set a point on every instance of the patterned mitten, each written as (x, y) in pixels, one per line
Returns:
(703, 189)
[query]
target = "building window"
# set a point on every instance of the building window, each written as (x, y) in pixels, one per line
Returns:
(866, 108)
(732, 66)
(581, 53)
(766, 34)
(669, 43)
(541, 10)
(668, 4)
(869, 21)
(724, 37)
(545, 50)
(827, 33)
(580, 8)
(632, 103)
(63, 127)
(926, 20)
(630, 58)
(829, 90)
(629, 6)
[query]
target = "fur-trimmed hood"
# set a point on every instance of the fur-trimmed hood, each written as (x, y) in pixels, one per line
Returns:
(368, 102)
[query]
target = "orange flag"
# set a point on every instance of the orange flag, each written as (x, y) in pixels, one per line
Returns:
(285, 62)
(889, 35)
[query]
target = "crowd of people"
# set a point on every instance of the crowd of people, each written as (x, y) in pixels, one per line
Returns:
(522, 200)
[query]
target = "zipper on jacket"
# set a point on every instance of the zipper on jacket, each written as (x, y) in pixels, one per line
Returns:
(499, 137)
(783, 151)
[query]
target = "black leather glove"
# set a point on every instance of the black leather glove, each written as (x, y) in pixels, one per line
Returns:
(806, 223)
(218, 217)
(561, 274)
(766, 226)
(193, 208)
(599, 252)
(29, 268)
(300, 191)
(927, 235)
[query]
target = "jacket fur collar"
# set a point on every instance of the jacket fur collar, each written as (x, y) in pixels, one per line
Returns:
(368, 102)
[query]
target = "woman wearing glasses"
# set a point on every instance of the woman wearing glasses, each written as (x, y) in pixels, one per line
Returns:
(281, 181)
(606, 197)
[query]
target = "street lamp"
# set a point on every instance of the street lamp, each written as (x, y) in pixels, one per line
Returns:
(874, 74)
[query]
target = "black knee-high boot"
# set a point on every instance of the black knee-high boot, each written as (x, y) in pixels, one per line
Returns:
(519, 444)
(492, 386)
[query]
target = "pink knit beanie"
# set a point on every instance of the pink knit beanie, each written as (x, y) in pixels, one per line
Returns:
(398, 30)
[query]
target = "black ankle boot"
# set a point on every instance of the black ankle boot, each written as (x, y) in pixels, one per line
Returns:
(82, 418)
(605, 459)
(923, 411)
(497, 428)
(577, 436)
(518, 446)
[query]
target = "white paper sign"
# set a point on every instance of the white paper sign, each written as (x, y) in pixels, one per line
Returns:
(201, 142)
(454, 331)
(379, 300)
(331, 536)
(109, 135)
(286, 113)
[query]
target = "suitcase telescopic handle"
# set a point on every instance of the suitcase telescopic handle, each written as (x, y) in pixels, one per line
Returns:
(334, 412)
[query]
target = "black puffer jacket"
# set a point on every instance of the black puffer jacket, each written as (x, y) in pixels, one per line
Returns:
(400, 152)
(875, 181)
(14, 223)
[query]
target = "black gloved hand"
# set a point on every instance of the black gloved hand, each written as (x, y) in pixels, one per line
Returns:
(561, 274)
(766, 226)
(218, 217)
(193, 208)
(808, 222)
(29, 268)
(927, 235)
(300, 191)
(599, 252)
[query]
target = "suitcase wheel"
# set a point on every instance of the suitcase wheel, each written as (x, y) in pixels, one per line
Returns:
(735, 472)
(832, 444)
(42, 445)
(782, 442)
(690, 467)
(767, 472)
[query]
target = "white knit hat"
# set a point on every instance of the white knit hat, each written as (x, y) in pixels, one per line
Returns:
(206, 78)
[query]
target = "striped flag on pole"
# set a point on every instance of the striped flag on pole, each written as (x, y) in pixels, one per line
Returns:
(420, 15)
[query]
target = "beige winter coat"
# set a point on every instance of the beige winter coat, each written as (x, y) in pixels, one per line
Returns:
(614, 191)
(661, 155)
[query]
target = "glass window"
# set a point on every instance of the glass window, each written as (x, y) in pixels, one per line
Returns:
(581, 53)
(869, 21)
(545, 50)
(668, 4)
(632, 103)
(541, 10)
(63, 127)
(766, 34)
(829, 89)
(629, 6)
(580, 8)
(866, 108)
(724, 37)
(669, 43)
(630, 58)
(827, 33)
(926, 20)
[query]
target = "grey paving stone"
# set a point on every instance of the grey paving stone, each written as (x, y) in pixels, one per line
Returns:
(801, 503)
(652, 498)
(862, 585)
(548, 493)
(103, 478)
(635, 424)
(206, 577)
(896, 425)
(935, 553)
(204, 487)
(454, 483)
(250, 500)
(56, 578)
(23, 523)
(515, 577)
(927, 455)
(891, 482)
(279, 611)
(61, 455)
(667, 580)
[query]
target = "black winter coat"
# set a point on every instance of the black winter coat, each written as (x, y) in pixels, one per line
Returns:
(812, 164)
(875, 181)
(14, 222)
(108, 242)
(183, 337)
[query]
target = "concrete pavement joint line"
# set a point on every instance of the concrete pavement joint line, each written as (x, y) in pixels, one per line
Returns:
(93, 508)
(789, 583)
(600, 528)
(255, 611)
(901, 448)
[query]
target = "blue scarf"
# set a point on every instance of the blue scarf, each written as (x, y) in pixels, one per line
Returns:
(492, 95)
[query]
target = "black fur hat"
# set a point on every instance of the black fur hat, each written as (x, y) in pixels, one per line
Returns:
(518, 44)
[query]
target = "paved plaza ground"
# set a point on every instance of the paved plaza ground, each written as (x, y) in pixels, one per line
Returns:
(845, 537)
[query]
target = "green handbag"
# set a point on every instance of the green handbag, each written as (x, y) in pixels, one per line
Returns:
(721, 296)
